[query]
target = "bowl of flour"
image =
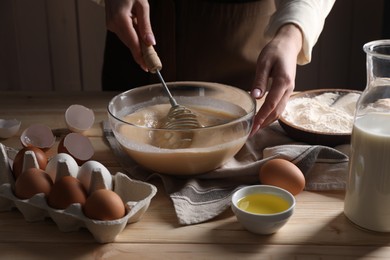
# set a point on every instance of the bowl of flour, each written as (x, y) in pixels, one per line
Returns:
(321, 116)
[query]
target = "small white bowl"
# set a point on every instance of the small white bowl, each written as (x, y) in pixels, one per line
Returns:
(262, 223)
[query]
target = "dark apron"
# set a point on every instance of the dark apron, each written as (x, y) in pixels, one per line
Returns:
(215, 41)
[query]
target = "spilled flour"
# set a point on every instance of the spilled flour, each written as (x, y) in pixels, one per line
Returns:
(331, 112)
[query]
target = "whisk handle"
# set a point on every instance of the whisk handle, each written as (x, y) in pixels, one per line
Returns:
(151, 58)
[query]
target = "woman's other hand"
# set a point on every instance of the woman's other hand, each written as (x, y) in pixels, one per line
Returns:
(275, 73)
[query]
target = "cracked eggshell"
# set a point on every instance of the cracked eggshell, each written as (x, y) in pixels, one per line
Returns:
(9, 127)
(78, 146)
(79, 118)
(39, 136)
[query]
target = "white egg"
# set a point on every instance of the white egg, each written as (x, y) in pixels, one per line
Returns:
(54, 165)
(90, 168)
(97, 181)
(79, 118)
(9, 127)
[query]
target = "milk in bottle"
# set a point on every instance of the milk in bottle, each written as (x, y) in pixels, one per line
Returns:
(367, 200)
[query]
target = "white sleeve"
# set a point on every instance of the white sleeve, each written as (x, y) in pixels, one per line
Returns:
(308, 15)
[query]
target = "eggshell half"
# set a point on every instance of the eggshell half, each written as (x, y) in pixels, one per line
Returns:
(9, 127)
(39, 136)
(78, 146)
(79, 118)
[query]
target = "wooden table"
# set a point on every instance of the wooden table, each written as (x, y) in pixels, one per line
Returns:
(317, 230)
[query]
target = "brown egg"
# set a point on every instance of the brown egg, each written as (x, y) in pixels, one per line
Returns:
(31, 182)
(104, 204)
(17, 165)
(283, 174)
(66, 191)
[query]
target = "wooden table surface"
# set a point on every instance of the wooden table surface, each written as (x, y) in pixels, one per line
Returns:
(317, 230)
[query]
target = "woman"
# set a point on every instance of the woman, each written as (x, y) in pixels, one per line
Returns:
(251, 44)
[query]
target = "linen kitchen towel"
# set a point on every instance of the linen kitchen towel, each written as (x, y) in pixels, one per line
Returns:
(202, 197)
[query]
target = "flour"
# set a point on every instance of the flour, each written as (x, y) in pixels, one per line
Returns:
(331, 112)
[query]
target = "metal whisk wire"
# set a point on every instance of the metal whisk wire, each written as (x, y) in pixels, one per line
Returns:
(179, 117)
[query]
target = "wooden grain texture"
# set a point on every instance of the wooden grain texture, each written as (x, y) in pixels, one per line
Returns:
(27, 59)
(317, 230)
(186, 251)
(92, 35)
(9, 73)
(62, 26)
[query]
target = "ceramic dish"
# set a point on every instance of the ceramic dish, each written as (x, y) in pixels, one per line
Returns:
(335, 103)
(270, 214)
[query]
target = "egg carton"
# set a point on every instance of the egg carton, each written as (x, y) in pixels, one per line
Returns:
(136, 194)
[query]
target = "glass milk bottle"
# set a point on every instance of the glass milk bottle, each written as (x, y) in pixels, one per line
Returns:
(367, 200)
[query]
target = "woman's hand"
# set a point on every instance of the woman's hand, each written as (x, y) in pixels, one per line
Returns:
(130, 21)
(275, 73)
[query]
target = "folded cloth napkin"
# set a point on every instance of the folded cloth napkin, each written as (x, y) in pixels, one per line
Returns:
(202, 197)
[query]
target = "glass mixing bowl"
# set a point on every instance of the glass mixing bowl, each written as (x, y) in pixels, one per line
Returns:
(225, 112)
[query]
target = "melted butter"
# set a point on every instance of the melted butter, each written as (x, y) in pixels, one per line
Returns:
(261, 203)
